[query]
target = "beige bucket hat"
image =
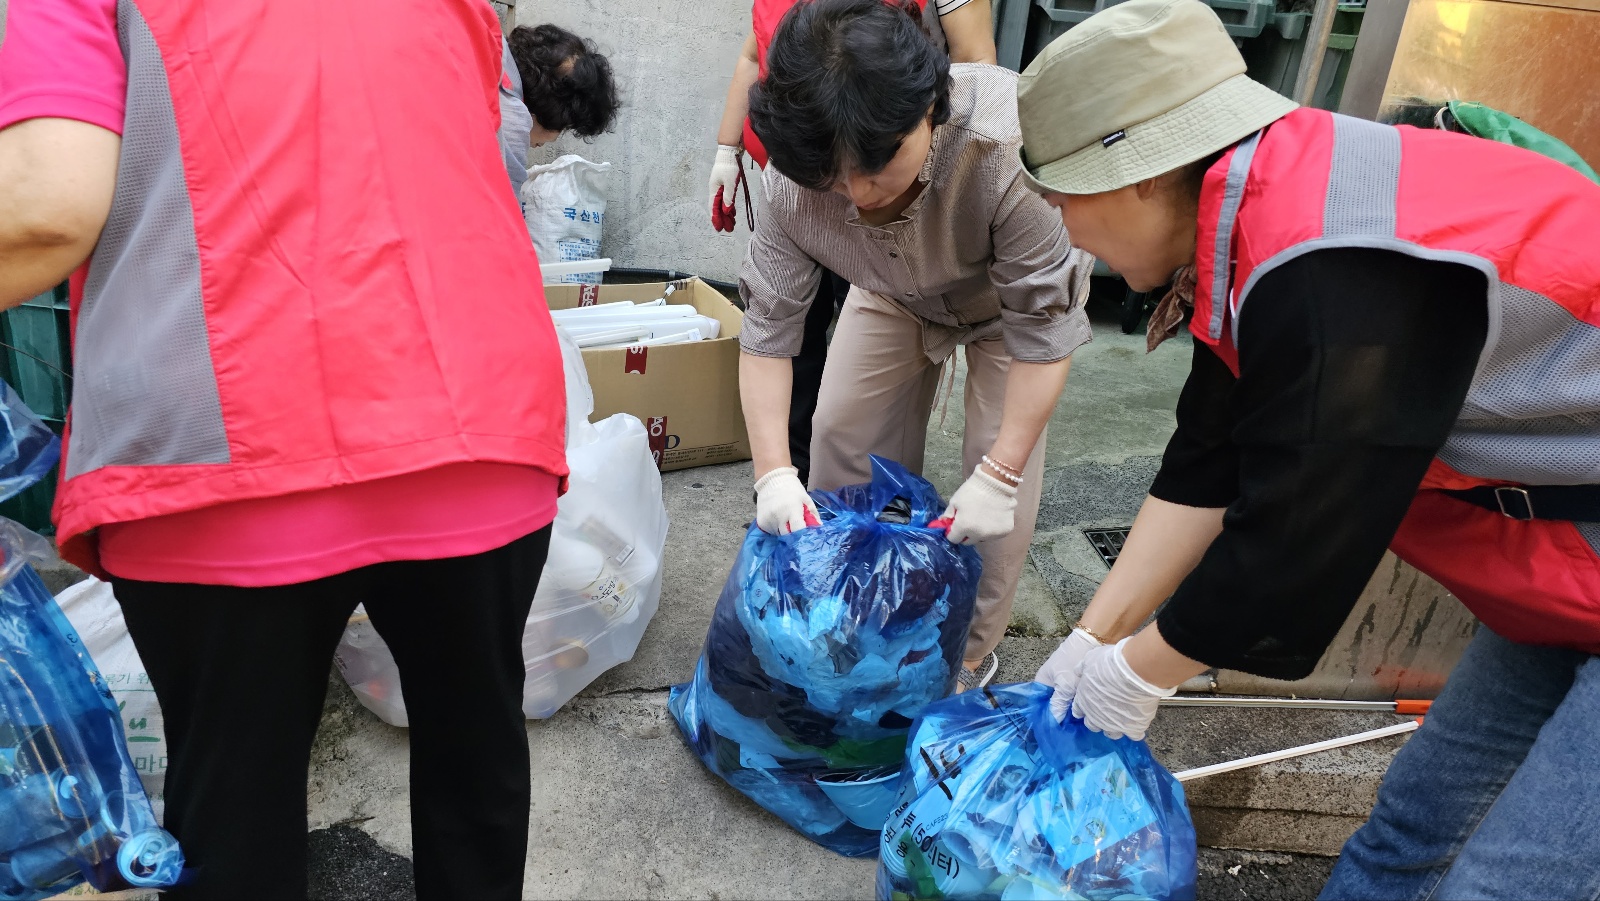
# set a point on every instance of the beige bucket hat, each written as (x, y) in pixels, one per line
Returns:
(1136, 91)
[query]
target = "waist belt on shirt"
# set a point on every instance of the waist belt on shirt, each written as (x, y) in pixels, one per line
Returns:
(1574, 503)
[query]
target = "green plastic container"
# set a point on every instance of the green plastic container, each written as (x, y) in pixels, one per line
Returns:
(36, 359)
(1274, 57)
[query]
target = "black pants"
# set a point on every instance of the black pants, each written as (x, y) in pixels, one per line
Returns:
(242, 673)
(808, 368)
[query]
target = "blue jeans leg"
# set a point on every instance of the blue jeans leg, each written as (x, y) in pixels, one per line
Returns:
(1446, 779)
(1541, 839)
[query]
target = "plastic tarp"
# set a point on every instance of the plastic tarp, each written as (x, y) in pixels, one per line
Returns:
(998, 800)
(72, 809)
(824, 646)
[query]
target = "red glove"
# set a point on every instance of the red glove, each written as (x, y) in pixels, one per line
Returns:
(722, 215)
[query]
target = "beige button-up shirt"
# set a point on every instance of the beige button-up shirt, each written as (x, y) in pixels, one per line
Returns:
(977, 254)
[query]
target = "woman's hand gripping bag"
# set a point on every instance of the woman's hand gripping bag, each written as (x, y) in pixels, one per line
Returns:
(998, 800)
(824, 647)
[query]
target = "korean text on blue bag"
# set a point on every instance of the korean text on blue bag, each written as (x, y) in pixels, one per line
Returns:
(824, 647)
(998, 800)
(72, 809)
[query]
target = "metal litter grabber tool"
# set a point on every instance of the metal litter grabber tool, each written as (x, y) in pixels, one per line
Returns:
(1402, 707)
(1297, 751)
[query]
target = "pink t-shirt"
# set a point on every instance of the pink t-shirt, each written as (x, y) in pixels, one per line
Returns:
(62, 59)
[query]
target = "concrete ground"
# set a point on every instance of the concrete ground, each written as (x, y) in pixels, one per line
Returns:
(622, 810)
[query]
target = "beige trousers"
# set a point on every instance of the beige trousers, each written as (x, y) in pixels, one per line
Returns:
(877, 394)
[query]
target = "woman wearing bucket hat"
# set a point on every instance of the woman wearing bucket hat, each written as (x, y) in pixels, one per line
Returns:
(1397, 344)
(899, 172)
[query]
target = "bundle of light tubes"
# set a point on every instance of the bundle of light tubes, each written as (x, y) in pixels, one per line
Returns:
(629, 324)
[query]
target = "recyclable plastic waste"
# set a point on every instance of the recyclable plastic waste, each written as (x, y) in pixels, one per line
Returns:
(602, 581)
(626, 323)
(92, 609)
(999, 801)
(72, 809)
(824, 646)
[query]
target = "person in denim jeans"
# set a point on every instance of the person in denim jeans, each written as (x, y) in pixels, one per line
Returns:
(1496, 796)
(1382, 360)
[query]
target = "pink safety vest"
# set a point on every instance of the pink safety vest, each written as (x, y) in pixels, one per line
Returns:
(1318, 180)
(312, 274)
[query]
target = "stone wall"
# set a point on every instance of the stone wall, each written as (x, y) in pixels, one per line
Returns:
(673, 61)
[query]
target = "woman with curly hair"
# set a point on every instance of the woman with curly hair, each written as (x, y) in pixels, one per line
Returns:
(554, 82)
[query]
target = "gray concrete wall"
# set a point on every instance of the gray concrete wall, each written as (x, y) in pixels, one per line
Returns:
(673, 62)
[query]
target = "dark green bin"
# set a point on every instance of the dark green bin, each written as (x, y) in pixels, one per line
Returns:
(36, 360)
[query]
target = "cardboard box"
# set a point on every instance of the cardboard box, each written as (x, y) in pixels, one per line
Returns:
(687, 395)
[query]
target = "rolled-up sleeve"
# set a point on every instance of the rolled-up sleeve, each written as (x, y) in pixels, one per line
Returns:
(777, 281)
(1043, 281)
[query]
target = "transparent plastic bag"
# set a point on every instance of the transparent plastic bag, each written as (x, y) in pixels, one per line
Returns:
(92, 609)
(72, 809)
(600, 586)
(28, 449)
(998, 800)
(824, 647)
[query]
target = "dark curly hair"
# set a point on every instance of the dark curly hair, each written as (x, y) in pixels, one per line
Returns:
(566, 81)
(847, 81)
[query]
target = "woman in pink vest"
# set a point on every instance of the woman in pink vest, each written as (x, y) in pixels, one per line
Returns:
(307, 378)
(1397, 344)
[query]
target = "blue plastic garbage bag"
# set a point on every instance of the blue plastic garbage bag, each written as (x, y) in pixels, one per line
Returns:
(72, 809)
(998, 800)
(825, 646)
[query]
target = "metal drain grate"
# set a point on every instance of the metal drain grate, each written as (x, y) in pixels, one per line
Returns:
(1107, 543)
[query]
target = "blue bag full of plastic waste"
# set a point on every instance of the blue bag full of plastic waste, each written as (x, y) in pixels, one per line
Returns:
(824, 647)
(71, 806)
(998, 800)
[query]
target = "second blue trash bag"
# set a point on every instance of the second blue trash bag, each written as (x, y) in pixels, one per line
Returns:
(72, 809)
(1000, 801)
(824, 647)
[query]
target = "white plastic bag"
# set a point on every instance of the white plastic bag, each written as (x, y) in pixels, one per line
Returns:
(601, 585)
(564, 205)
(93, 611)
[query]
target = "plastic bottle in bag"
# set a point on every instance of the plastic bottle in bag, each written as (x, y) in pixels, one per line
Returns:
(581, 571)
(72, 809)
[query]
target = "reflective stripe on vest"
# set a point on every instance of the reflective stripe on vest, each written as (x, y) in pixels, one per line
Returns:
(1532, 415)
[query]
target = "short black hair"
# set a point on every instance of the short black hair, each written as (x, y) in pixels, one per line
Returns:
(846, 82)
(566, 81)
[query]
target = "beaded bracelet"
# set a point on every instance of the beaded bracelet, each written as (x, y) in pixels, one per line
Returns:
(1010, 474)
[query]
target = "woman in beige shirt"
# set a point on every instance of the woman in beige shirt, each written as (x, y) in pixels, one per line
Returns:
(899, 172)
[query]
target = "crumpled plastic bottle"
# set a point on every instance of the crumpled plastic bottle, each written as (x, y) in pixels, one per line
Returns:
(999, 801)
(72, 809)
(825, 646)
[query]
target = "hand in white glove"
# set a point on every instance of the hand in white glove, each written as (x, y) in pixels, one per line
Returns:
(1112, 698)
(724, 176)
(1061, 670)
(982, 509)
(782, 504)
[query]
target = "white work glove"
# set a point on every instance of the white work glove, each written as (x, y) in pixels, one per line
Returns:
(1061, 671)
(982, 509)
(724, 175)
(1112, 698)
(782, 504)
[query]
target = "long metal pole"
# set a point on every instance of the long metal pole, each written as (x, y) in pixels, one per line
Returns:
(1410, 708)
(1298, 751)
(1316, 48)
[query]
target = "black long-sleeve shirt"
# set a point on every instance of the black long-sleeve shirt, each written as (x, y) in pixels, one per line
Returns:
(1353, 367)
